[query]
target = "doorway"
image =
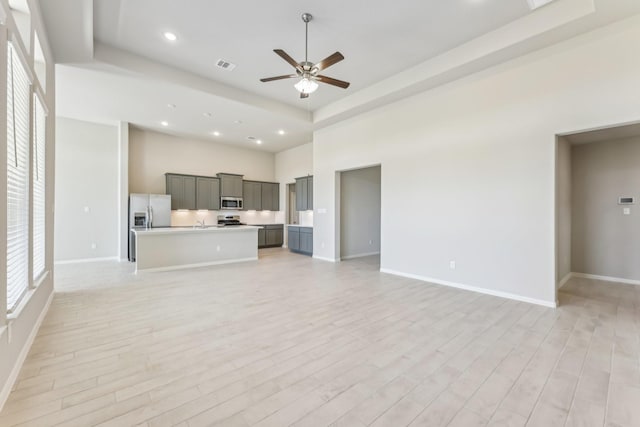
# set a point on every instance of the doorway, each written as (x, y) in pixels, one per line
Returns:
(597, 213)
(360, 214)
(293, 216)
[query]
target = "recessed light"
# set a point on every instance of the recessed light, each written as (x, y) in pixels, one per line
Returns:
(164, 123)
(171, 105)
(170, 36)
(258, 141)
(207, 114)
(280, 132)
(238, 122)
(215, 133)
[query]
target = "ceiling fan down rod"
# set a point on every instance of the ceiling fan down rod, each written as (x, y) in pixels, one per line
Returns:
(306, 17)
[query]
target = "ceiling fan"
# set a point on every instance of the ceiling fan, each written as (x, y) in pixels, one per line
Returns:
(308, 71)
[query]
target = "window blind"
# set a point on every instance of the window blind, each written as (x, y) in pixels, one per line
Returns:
(38, 153)
(18, 98)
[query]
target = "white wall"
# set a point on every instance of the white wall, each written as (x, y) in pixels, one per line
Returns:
(563, 206)
(291, 164)
(605, 241)
(469, 168)
(360, 212)
(18, 330)
(87, 157)
(152, 154)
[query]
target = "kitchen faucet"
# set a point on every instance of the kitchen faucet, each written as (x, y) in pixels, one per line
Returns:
(199, 224)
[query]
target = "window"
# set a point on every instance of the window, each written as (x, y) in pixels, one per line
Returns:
(39, 129)
(18, 97)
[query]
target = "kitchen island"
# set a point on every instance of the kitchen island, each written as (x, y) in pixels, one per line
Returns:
(171, 248)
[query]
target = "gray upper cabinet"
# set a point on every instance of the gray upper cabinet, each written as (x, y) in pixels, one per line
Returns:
(252, 196)
(207, 193)
(304, 193)
(310, 193)
(261, 196)
(182, 189)
(270, 196)
(230, 185)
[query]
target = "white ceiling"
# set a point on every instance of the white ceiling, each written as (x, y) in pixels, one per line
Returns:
(120, 68)
(377, 38)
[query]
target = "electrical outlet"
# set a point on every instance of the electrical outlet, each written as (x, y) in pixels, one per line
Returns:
(322, 245)
(452, 265)
(86, 209)
(626, 211)
(218, 248)
(370, 242)
(93, 246)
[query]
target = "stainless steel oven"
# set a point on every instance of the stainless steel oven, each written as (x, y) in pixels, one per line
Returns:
(231, 203)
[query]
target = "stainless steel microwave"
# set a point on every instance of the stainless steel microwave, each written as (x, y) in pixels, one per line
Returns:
(231, 203)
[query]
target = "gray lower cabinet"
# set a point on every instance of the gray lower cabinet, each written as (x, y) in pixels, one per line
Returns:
(252, 196)
(304, 193)
(271, 236)
(275, 237)
(230, 185)
(207, 193)
(300, 239)
(182, 189)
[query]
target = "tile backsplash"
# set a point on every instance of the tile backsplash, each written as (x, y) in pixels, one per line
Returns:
(187, 218)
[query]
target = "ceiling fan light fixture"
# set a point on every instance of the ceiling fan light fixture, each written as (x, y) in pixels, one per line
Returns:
(306, 86)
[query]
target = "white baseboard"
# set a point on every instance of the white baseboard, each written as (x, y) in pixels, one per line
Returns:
(84, 260)
(6, 390)
(551, 304)
(606, 278)
(360, 255)
(198, 265)
(564, 280)
(321, 258)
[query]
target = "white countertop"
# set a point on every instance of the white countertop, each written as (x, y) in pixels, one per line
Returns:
(298, 225)
(190, 230)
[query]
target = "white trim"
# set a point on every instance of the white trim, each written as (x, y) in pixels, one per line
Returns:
(321, 258)
(360, 255)
(564, 280)
(6, 390)
(83, 260)
(551, 304)
(606, 278)
(202, 264)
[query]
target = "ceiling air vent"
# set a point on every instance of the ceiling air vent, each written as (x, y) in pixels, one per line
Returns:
(225, 65)
(534, 4)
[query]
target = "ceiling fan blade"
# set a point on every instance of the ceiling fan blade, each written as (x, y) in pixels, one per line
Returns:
(284, 55)
(331, 81)
(303, 95)
(328, 61)
(270, 79)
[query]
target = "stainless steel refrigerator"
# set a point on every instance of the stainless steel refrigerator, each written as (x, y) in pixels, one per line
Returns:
(146, 211)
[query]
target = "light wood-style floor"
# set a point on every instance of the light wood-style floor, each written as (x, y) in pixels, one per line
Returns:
(293, 341)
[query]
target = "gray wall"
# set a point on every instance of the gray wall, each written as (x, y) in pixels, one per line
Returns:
(86, 176)
(604, 241)
(563, 206)
(360, 212)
